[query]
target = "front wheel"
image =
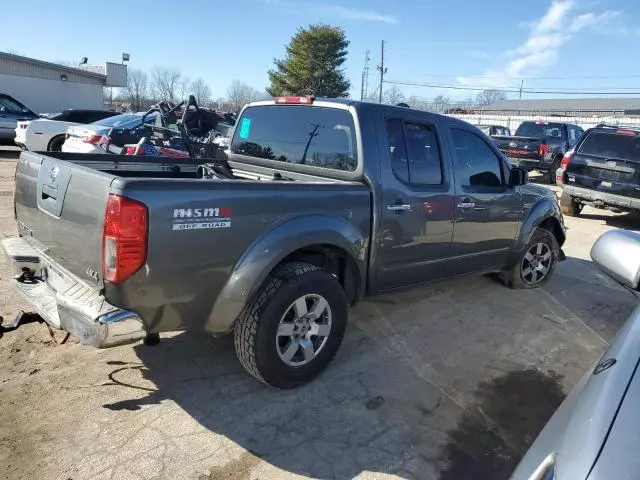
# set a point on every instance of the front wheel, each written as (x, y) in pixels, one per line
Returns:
(55, 145)
(536, 263)
(293, 328)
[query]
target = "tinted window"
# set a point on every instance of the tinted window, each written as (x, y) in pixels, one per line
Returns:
(541, 130)
(10, 105)
(425, 165)
(315, 136)
(611, 145)
(476, 164)
(397, 149)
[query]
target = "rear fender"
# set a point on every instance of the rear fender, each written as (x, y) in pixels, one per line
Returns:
(270, 249)
(543, 210)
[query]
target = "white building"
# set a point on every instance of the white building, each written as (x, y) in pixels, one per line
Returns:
(47, 87)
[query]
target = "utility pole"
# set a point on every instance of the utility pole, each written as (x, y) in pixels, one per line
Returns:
(364, 90)
(382, 71)
(521, 85)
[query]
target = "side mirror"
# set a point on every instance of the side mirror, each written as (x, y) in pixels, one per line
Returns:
(518, 176)
(617, 253)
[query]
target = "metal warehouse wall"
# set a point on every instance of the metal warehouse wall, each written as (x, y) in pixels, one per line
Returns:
(50, 96)
(9, 66)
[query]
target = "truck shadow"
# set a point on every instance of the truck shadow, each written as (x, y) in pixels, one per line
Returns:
(445, 395)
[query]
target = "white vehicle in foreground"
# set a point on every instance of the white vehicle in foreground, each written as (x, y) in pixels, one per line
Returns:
(48, 134)
(90, 138)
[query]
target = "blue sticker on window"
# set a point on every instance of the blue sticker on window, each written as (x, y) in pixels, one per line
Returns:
(245, 126)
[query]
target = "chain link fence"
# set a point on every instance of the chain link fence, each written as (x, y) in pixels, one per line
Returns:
(513, 121)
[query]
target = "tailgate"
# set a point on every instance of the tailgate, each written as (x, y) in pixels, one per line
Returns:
(607, 162)
(519, 147)
(60, 208)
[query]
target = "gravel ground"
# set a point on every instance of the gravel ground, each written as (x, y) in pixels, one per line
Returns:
(451, 381)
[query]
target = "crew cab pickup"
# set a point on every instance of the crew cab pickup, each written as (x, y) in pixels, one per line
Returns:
(320, 203)
(540, 146)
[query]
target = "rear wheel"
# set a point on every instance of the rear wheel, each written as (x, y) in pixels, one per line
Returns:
(293, 328)
(550, 175)
(569, 206)
(536, 263)
(55, 145)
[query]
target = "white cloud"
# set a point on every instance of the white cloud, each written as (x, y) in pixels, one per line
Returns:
(338, 11)
(547, 36)
(357, 14)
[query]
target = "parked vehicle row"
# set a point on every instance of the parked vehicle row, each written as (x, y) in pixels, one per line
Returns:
(48, 134)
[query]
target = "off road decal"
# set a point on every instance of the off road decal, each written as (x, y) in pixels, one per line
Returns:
(201, 218)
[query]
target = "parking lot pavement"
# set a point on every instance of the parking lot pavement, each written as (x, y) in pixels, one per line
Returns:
(450, 381)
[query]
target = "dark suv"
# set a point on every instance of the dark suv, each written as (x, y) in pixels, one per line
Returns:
(602, 170)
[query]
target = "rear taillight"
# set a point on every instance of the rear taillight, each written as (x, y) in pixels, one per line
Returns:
(66, 136)
(630, 133)
(566, 159)
(564, 163)
(124, 241)
(93, 139)
(543, 150)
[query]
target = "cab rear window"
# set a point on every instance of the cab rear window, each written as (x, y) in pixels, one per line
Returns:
(611, 145)
(301, 135)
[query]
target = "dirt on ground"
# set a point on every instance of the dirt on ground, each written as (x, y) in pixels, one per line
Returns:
(450, 381)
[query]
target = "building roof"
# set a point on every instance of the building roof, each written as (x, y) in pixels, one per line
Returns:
(51, 66)
(566, 105)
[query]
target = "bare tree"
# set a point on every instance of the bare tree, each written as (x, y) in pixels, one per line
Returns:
(487, 97)
(440, 103)
(240, 94)
(137, 88)
(393, 96)
(184, 89)
(201, 91)
(165, 83)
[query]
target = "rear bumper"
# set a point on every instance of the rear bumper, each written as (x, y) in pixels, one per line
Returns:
(602, 199)
(74, 307)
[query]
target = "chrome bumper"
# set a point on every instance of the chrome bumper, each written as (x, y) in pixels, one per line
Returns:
(73, 306)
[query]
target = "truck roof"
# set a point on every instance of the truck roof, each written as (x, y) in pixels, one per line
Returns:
(364, 106)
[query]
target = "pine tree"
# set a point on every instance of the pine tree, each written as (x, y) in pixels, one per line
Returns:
(312, 65)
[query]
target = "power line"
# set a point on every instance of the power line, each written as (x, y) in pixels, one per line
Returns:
(533, 77)
(508, 89)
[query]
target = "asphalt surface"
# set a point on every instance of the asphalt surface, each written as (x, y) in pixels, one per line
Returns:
(450, 381)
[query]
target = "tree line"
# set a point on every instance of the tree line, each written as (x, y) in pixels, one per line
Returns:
(163, 83)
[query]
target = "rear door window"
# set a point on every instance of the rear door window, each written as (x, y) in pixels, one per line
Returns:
(300, 135)
(611, 145)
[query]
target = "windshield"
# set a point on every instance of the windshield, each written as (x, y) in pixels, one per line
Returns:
(541, 130)
(610, 145)
(125, 120)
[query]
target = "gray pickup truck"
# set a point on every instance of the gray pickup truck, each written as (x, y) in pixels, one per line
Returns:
(318, 204)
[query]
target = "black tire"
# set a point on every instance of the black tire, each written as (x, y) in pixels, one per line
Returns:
(55, 144)
(517, 277)
(550, 175)
(255, 331)
(569, 206)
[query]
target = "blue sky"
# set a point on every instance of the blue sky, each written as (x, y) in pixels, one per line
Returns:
(454, 42)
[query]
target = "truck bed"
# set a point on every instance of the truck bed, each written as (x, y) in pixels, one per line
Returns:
(198, 229)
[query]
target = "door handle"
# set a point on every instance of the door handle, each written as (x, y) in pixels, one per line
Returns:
(398, 208)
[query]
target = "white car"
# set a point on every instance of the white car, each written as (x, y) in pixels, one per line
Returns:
(48, 134)
(92, 138)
